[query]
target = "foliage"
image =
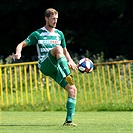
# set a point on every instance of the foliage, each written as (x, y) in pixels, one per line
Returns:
(94, 25)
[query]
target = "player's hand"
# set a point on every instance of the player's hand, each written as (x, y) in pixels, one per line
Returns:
(72, 65)
(17, 56)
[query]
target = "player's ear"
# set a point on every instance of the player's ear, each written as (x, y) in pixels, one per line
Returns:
(46, 18)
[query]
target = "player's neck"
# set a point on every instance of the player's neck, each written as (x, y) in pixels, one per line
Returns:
(50, 29)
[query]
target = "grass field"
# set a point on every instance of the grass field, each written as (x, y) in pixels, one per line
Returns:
(51, 122)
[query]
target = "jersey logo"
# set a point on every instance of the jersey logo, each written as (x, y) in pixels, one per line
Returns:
(44, 34)
(57, 38)
(45, 42)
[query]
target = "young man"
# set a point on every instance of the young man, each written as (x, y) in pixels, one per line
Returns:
(53, 58)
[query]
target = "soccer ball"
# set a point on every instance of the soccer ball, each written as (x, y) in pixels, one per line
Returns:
(85, 65)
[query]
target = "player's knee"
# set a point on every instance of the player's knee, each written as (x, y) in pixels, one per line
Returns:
(59, 49)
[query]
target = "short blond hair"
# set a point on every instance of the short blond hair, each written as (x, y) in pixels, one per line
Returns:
(50, 11)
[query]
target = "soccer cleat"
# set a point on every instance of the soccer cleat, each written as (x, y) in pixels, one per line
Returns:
(69, 79)
(69, 124)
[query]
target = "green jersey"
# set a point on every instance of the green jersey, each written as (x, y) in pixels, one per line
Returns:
(45, 40)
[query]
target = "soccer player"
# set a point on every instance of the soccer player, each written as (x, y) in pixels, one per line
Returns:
(53, 58)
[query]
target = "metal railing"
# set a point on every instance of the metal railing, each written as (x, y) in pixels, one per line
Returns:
(23, 83)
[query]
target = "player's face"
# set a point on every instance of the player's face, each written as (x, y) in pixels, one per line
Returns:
(52, 21)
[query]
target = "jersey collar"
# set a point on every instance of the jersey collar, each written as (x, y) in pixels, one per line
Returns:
(43, 28)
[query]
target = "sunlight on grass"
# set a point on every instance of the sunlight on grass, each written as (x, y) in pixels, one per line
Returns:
(51, 122)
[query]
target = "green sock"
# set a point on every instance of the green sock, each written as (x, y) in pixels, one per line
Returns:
(64, 65)
(71, 103)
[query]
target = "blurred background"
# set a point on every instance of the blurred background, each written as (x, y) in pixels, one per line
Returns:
(92, 27)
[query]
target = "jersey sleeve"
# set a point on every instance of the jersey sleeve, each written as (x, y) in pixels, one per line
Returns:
(31, 39)
(63, 42)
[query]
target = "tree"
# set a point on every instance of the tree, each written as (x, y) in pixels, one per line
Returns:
(97, 26)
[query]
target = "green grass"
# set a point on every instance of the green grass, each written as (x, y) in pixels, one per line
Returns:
(51, 122)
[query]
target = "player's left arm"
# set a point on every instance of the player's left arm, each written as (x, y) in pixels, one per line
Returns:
(71, 63)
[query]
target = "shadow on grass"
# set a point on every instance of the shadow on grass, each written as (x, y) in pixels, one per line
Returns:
(8, 125)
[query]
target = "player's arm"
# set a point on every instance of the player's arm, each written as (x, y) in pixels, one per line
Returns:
(71, 63)
(19, 49)
(30, 40)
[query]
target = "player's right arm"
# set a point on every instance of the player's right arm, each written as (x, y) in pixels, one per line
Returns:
(30, 40)
(19, 49)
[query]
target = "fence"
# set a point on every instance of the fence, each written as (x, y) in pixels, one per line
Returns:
(108, 83)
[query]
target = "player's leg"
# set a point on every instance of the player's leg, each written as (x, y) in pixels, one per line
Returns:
(48, 65)
(66, 83)
(58, 76)
(55, 71)
(57, 52)
(71, 103)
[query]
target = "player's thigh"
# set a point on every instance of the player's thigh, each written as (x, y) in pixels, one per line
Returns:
(59, 77)
(48, 65)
